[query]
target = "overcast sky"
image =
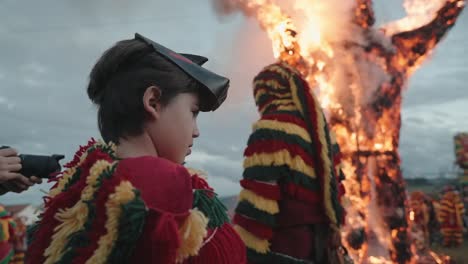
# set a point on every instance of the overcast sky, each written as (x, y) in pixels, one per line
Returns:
(48, 47)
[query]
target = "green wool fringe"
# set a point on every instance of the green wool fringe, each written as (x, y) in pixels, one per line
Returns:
(211, 207)
(80, 238)
(281, 174)
(290, 139)
(265, 174)
(262, 99)
(247, 209)
(131, 225)
(265, 97)
(3, 213)
(74, 178)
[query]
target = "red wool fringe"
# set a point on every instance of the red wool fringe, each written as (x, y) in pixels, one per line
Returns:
(200, 183)
(256, 228)
(79, 153)
(271, 146)
(43, 236)
(224, 247)
(266, 190)
(302, 194)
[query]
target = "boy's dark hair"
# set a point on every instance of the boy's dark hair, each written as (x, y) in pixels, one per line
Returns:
(120, 78)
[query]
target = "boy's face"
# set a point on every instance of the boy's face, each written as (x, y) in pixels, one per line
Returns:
(175, 128)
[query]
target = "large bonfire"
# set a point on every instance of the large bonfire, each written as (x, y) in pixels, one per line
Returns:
(360, 72)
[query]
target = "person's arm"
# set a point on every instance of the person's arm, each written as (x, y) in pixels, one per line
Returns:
(10, 179)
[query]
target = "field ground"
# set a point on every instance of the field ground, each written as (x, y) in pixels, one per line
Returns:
(460, 255)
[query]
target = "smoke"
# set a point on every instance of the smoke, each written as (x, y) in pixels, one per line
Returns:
(225, 7)
(418, 13)
(321, 23)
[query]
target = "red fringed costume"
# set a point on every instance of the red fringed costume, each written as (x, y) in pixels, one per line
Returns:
(136, 210)
(7, 226)
(289, 209)
(451, 213)
(420, 216)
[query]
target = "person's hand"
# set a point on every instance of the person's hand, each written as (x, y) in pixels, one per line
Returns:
(10, 179)
(9, 164)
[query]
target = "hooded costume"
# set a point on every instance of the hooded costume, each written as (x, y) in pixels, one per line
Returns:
(289, 208)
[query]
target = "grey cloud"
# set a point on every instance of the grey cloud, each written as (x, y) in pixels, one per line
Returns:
(426, 144)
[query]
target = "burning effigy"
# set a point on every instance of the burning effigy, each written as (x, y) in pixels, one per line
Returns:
(359, 72)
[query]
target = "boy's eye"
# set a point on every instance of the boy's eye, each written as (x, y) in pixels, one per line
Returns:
(195, 113)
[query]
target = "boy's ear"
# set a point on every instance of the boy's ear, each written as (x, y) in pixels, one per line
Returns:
(152, 101)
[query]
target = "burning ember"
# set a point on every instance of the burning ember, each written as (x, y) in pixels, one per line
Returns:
(359, 73)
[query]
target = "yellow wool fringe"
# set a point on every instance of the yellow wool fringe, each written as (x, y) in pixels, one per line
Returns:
(280, 70)
(66, 176)
(123, 194)
(192, 232)
(261, 203)
(251, 241)
(112, 145)
(100, 143)
(280, 103)
(286, 127)
(4, 225)
(287, 108)
(269, 83)
(73, 219)
(279, 158)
